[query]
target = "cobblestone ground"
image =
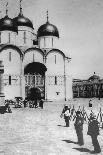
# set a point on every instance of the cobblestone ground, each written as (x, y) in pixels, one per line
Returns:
(38, 131)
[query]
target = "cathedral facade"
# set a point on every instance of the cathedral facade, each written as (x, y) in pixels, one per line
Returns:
(33, 61)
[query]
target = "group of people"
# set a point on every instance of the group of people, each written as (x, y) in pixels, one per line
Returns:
(30, 103)
(34, 103)
(93, 126)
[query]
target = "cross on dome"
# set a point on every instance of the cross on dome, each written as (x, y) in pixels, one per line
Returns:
(47, 16)
(21, 7)
(7, 9)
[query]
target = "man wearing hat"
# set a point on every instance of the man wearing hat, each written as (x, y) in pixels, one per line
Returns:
(93, 131)
(79, 127)
(66, 114)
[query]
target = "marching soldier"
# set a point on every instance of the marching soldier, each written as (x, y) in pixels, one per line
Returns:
(90, 104)
(93, 131)
(79, 127)
(66, 114)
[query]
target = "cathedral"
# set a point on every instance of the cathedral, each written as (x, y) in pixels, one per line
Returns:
(32, 61)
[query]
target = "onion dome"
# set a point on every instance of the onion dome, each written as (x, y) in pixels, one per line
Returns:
(7, 23)
(48, 29)
(94, 77)
(20, 20)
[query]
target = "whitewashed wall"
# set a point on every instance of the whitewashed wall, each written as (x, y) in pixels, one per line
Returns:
(28, 36)
(69, 94)
(32, 55)
(8, 37)
(12, 67)
(55, 63)
(55, 69)
(54, 92)
(48, 42)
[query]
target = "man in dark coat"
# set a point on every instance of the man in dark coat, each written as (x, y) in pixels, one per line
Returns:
(66, 114)
(79, 127)
(41, 104)
(93, 131)
(90, 104)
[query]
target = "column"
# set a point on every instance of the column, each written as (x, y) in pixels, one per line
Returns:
(64, 82)
(45, 77)
(22, 80)
(2, 97)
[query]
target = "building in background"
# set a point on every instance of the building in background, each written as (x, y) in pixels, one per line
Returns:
(33, 61)
(92, 87)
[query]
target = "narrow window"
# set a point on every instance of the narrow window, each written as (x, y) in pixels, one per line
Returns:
(33, 57)
(55, 59)
(52, 42)
(55, 80)
(9, 80)
(9, 37)
(9, 56)
(24, 37)
(44, 42)
(0, 37)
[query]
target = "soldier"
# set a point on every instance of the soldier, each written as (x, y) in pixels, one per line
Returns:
(90, 104)
(66, 114)
(79, 127)
(93, 131)
(25, 103)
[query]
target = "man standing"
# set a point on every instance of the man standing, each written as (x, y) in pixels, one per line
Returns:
(66, 114)
(93, 131)
(90, 104)
(79, 127)
(41, 103)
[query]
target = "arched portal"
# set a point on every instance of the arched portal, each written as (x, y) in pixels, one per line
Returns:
(35, 80)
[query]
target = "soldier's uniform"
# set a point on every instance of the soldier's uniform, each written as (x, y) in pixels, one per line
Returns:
(93, 131)
(67, 116)
(79, 127)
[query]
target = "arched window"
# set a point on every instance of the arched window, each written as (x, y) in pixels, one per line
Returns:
(52, 42)
(44, 42)
(55, 80)
(55, 59)
(0, 37)
(24, 37)
(33, 57)
(9, 37)
(9, 80)
(9, 56)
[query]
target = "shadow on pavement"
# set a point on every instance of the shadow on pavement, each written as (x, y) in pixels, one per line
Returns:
(70, 141)
(61, 125)
(83, 150)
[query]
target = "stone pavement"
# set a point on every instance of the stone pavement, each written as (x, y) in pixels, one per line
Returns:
(38, 131)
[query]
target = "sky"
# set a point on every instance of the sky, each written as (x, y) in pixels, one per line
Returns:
(80, 25)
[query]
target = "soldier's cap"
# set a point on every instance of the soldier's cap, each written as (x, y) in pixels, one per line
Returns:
(92, 116)
(66, 106)
(78, 112)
